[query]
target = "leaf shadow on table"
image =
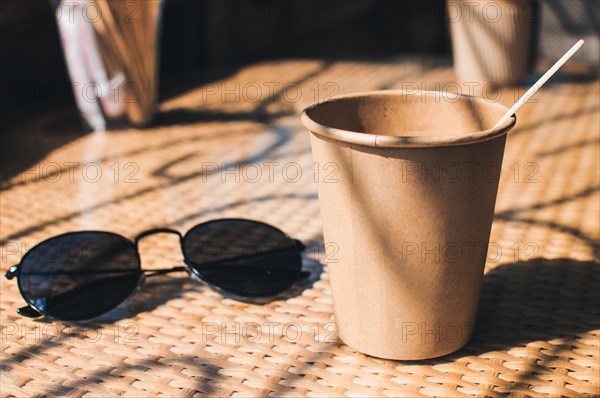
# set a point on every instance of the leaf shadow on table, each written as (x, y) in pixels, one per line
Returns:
(521, 303)
(153, 294)
(28, 142)
(523, 215)
(281, 137)
(540, 299)
(259, 113)
(549, 122)
(580, 144)
(43, 352)
(532, 303)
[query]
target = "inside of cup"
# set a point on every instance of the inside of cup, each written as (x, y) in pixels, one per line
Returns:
(427, 114)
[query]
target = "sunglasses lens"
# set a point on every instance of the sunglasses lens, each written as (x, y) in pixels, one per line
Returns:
(243, 257)
(79, 275)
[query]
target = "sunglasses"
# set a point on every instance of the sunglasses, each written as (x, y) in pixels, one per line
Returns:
(82, 275)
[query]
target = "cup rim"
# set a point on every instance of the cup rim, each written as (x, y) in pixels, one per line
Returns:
(389, 141)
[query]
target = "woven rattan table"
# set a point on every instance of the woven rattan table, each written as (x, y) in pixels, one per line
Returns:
(234, 147)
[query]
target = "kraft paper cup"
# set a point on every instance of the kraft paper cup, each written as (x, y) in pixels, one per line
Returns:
(407, 216)
(491, 39)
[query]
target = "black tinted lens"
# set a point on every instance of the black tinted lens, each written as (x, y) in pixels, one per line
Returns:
(244, 257)
(79, 275)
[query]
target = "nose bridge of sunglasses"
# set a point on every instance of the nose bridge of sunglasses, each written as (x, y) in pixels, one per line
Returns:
(155, 231)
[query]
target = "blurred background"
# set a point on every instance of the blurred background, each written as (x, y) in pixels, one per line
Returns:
(52, 50)
(197, 36)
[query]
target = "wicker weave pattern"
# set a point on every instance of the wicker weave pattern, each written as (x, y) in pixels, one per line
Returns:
(538, 328)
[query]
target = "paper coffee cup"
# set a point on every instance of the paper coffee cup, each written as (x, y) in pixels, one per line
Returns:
(407, 215)
(491, 39)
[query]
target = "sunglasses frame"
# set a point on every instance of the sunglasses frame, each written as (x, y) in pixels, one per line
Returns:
(32, 311)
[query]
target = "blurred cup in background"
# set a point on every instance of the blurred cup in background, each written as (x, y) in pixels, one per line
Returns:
(491, 39)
